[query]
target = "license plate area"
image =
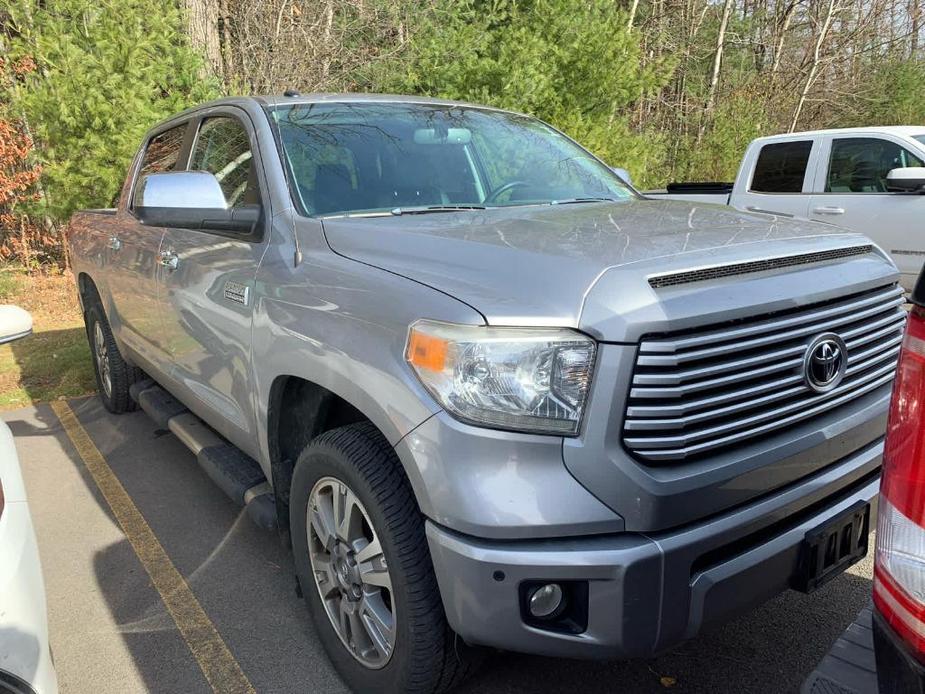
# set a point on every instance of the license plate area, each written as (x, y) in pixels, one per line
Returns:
(832, 547)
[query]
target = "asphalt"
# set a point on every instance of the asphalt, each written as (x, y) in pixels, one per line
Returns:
(111, 632)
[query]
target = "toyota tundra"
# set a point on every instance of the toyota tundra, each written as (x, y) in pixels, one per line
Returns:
(491, 395)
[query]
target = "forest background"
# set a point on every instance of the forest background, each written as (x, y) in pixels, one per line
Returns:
(668, 89)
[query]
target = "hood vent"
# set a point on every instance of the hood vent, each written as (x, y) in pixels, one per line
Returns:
(714, 271)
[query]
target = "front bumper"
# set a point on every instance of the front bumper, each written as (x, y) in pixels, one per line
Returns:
(645, 592)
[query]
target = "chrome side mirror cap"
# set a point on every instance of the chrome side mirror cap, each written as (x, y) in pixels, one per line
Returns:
(180, 190)
(192, 200)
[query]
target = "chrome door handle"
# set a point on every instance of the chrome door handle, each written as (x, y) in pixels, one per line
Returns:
(169, 260)
(829, 210)
(114, 243)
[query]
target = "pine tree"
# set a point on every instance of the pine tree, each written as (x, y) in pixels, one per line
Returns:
(106, 71)
(577, 66)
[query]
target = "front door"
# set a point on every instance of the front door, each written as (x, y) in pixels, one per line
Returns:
(781, 176)
(852, 192)
(133, 250)
(206, 289)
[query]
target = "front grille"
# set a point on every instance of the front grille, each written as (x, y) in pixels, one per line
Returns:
(711, 389)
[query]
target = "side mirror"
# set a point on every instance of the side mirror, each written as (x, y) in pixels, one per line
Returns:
(15, 323)
(910, 179)
(190, 200)
(623, 174)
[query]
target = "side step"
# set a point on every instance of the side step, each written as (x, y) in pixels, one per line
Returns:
(236, 474)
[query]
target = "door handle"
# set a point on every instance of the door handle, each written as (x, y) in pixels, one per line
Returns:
(114, 243)
(169, 260)
(752, 208)
(829, 210)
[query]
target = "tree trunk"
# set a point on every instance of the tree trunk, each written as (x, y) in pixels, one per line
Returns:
(717, 63)
(781, 35)
(831, 11)
(915, 16)
(202, 17)
(633, 7)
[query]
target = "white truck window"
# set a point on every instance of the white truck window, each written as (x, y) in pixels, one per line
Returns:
(781, 167)
(861, 164)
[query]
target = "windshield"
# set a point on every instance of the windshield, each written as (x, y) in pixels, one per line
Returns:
(355, 158)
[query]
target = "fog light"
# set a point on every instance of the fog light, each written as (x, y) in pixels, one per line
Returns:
(546, 601)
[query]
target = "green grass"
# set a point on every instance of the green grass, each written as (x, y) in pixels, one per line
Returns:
(11, 281)
(54, 362)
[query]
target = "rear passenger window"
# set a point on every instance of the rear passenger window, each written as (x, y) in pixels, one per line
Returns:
(860, 164)
(781, 167)
(223, 148)
(162, 151)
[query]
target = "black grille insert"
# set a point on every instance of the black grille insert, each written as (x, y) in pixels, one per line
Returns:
(708, 273)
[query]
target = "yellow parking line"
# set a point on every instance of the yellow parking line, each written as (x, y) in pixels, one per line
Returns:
(207, 646)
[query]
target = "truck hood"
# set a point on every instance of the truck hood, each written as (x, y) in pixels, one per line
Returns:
(587, 266)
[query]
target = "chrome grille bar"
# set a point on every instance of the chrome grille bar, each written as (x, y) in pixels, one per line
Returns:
(893, 295)
(715, 388)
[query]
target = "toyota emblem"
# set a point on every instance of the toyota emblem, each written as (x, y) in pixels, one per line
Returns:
(824, 362)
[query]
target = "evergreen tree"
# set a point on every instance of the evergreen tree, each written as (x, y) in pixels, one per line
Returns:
(106, 71)
(577, 66)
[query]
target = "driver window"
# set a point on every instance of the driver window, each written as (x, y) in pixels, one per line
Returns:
(223, 149)
(861, 164)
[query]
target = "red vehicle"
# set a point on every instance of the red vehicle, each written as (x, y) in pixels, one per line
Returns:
(884, 650)
(899, 569)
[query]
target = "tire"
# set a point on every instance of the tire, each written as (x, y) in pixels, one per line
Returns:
(114, 375)
(425, 656)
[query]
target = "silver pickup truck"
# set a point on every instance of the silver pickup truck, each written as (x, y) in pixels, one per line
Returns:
(490, 394)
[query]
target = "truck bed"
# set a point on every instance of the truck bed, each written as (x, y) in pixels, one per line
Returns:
(716, 192)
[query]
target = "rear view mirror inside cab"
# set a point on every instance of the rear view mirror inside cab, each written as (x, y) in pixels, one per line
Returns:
(442, 136)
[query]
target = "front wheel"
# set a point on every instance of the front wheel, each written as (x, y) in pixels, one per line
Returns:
(114, 375)
(365, 571)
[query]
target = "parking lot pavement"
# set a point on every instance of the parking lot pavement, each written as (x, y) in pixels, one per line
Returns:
(111, 631)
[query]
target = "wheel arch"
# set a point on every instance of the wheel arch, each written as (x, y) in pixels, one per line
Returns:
(298, 411)
(86, 290)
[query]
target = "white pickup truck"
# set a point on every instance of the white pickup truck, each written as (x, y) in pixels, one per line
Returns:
(869, 180)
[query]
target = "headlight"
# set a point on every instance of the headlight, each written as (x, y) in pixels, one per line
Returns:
(528, 379)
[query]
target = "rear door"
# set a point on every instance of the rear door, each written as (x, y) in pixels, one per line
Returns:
(133, 257)
(206, 300)
(851, 191)
(779, 178)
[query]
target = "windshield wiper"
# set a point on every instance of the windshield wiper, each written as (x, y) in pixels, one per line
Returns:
(427, 209)
(570, 201)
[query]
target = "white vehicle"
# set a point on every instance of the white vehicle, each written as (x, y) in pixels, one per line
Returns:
(869, 180)
(25, 659)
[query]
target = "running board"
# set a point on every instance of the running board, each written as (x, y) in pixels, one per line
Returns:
(235, 473)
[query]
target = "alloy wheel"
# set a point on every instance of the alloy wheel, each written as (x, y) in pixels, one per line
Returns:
(102, 358)
(351, 572)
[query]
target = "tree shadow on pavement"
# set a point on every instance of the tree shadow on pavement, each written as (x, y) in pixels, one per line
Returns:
(244, 581)
(241, 576)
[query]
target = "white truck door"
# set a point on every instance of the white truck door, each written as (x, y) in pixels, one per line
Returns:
(850, 190)
(776, 177)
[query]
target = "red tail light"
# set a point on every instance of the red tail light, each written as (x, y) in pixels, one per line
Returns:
(899, 572)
